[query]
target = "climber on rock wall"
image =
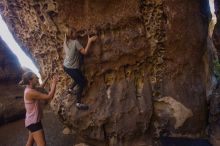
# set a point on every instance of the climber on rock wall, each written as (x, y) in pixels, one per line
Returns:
(74, 52)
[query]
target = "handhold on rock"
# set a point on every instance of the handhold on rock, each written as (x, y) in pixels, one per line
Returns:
(66, 131)
(82, 106)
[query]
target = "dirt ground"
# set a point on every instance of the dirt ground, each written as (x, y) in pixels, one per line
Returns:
(15, 134)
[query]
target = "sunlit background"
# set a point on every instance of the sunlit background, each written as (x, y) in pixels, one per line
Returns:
(212, 9)
(24, 60)
(211, 3)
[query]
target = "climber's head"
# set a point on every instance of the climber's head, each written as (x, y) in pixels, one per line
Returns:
(72, 33)
(29, 78)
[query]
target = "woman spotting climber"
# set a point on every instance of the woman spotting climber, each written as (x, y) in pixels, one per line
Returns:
(73, 61)
(32, 97)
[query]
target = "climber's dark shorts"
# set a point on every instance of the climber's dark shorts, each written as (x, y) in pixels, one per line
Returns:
(35, 127)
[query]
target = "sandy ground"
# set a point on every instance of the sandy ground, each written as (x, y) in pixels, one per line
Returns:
(15, 134)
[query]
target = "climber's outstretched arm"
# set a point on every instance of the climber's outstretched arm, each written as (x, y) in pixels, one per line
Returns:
(84, 51)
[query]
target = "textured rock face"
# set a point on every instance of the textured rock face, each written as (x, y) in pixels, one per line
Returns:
(214, 118)
(148, 54)
(184, 75)
(11, 102)
(214, 99)
(10, 70)
(216, 32)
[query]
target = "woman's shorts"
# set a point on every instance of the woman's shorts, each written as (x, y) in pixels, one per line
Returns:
(35, 127)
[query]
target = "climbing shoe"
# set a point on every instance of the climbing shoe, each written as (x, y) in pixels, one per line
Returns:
(81, 106)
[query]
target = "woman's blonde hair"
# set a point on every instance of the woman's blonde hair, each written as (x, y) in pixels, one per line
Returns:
(26, 77)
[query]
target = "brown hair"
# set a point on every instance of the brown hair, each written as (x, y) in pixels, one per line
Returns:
(70, 33)
(26, 77)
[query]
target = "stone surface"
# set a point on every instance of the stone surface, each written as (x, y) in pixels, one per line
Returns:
(214, 128)
(184, 76)
(146, 50)
(168, 108)
(10, 70)
(216, 32)
(11, 95)
(214, 98)
(11, 109)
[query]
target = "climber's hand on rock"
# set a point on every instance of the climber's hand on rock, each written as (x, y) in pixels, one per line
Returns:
(92, 39)
(55, 78)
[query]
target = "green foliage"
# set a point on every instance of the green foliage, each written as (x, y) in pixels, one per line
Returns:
(216, 68)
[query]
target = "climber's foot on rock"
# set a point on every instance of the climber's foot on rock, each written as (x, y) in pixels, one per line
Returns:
(82, 106)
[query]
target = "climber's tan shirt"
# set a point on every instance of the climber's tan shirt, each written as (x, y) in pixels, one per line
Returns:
(73, 57)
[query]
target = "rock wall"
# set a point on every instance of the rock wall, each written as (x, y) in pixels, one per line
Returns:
(184, 79)
(216, 32)
(11, 102)
(10, 70)
(214, 98)
(145, 72)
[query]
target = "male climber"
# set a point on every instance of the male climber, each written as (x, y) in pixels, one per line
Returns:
(74, 52)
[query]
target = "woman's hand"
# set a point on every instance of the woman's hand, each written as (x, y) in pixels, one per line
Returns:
(55, 79)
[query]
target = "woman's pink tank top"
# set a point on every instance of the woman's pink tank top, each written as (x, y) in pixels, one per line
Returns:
(33, 111)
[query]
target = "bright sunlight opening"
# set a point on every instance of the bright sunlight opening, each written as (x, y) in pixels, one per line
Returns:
(214, 19)
(24, 60)
(212, 9)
